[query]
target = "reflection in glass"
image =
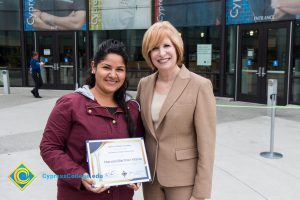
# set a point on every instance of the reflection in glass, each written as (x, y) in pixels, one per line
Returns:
(66, 60)
(276, 58)
(29, 47)
(132, 39)
(230, 61)
(296, 68)
(190, 13)
(296, 91)
(10, 15)
(47, 72)
(10, 55)
(209, 36)
(83, 67)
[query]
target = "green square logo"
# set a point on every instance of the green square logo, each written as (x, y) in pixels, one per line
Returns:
(22, 176)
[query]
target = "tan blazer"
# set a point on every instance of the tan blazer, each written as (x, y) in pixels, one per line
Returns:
(181, 149)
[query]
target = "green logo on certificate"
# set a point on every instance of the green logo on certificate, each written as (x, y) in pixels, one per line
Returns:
(22, 176)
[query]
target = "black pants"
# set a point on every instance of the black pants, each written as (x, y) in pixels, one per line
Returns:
(38, 82)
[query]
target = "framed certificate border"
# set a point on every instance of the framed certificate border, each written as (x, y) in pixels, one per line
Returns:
(117, 161)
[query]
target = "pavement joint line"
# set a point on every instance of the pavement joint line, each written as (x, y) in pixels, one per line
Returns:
(259, 107)
(242, 182)
(256, 157)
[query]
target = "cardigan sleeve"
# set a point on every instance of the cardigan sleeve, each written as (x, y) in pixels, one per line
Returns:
(205, 125)
(136, 114)
(53, 143)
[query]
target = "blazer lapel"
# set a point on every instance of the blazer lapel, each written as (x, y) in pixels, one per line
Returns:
(148, 96)
(177, 88)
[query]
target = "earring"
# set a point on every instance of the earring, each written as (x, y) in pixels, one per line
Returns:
(93, 72)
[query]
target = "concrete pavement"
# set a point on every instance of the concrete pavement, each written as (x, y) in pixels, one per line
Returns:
(240, 172)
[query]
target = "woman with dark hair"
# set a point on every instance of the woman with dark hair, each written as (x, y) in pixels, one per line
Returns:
(98, 110)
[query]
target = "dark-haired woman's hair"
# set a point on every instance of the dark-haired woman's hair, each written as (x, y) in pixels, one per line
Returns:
(115, 47)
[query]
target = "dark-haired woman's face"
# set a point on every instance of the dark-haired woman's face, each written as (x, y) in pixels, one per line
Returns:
(110, 74)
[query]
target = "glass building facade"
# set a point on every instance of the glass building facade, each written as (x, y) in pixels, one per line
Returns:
(236, 44)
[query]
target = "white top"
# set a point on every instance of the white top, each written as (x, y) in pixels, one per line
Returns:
(157, 102)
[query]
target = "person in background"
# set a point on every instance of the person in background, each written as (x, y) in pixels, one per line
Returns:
(35, 67)
(98, 110)
(179, 116)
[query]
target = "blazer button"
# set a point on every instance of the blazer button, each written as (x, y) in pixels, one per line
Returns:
(114, 121)
(89, 111)
(108, 191)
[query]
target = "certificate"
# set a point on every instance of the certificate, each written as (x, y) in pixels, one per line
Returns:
(117, 161)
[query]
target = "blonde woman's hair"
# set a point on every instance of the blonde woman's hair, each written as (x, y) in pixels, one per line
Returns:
(155, 34)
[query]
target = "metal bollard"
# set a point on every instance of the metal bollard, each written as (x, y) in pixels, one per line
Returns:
(272, 89)
(5, 79)
(271, 153)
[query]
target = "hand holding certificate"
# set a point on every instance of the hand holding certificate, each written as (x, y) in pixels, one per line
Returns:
(118, 161)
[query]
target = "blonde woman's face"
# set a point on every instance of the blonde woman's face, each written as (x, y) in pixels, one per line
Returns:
(164, 56)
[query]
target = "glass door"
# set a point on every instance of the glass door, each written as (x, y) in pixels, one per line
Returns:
(277, 59)
(57, 52)
(65, 65)
(263, 55)
(250, 65)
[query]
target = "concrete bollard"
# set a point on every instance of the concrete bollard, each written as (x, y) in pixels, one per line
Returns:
(5, 79)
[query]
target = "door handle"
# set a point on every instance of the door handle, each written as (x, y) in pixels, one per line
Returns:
(259, 72)
(263, 72)
(55, 66)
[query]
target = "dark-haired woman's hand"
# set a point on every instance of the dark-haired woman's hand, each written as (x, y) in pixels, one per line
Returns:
(88, 184)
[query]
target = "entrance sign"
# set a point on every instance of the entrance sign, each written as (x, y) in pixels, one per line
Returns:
(117, 161)
(204, 52)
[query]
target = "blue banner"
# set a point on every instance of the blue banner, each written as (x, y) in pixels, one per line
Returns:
(254, 11)
(50, 15)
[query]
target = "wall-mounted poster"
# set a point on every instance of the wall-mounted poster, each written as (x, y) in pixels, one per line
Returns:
(189, 12)
(119, 14)
(9, 15)
(52, 15)
(253, 11)
(204, 54)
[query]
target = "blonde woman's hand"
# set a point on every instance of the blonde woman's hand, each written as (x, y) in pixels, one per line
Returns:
(87, 183)
(135, 186)
(194, 198)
